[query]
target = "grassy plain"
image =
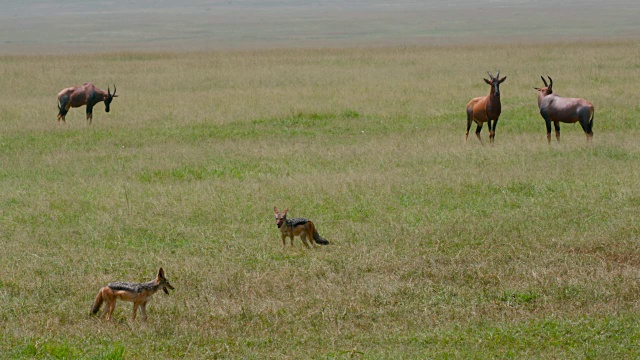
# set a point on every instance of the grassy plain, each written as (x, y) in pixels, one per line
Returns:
(88, 26)
(441, 248)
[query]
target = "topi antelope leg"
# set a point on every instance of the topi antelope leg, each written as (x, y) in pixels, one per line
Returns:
(556, 125)
(493, 130)
(548, 124)
(478, 129)
(466, 135)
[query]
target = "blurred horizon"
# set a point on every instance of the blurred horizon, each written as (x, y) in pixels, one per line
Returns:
(48, 26)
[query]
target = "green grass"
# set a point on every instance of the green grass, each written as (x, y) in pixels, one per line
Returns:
(440, 248)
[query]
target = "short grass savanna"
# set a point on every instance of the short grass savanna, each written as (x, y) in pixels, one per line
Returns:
(440, 248)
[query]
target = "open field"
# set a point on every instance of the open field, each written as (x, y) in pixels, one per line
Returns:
(441, 249)
(60, 27)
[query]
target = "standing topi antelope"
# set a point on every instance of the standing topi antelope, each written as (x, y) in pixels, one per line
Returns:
(486, 108)
(567, 110)
(86, 94)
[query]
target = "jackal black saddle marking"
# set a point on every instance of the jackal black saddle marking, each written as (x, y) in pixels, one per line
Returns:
(298, 221)
(126, 286)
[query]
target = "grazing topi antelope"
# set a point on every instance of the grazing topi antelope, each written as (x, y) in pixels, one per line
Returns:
(567, 110)
(486, 108)
(86, 94)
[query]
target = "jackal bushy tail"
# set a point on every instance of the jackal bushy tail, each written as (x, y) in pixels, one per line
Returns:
(97, 303)
(316, 237)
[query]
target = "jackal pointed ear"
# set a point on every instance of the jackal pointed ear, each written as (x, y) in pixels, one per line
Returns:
(275, 209)
(285, 211)
(161, 273)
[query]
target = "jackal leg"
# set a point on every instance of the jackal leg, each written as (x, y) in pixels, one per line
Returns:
(303, 236)
(135, 309)
(111, 305)
(143, 311)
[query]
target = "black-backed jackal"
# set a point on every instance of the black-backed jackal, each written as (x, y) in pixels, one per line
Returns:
(297, 227)
(137, 293)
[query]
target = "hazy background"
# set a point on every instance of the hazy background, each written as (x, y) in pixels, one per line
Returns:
(47, 26)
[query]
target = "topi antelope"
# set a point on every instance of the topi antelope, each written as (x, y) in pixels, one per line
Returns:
(557, 109)
(486, 108)
(86, 94)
